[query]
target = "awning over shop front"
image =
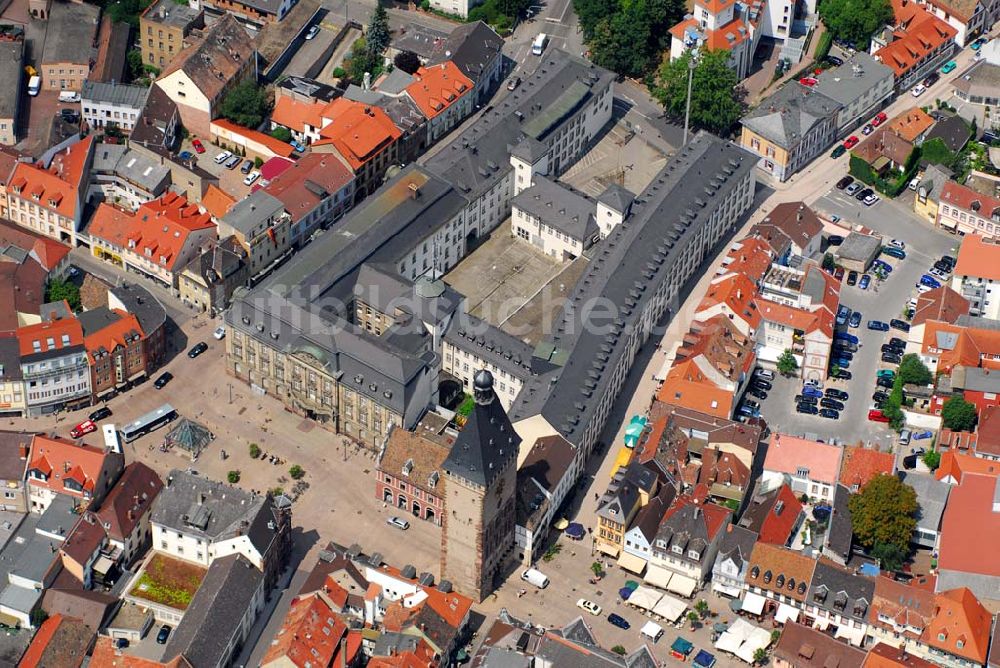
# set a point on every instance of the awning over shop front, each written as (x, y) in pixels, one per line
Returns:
(853, 635)
(632, 563)
(726, 589)
(657, 576)
(786, 613)
(644, 598)
(683, 585)
(670, 608)
(753, 603)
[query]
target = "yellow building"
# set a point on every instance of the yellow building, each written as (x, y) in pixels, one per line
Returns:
(164, 29)
(925, 204)
(629, 491)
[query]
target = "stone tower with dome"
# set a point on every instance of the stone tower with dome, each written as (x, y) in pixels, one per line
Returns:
(477, 529)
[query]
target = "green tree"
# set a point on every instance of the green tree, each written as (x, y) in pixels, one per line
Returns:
(619, 650)
(891, 557)
(828, 262)
(914, 372)
(233, 477)
(596, 567)
(619, 42)
(958, 414)
(715, 95)
(281, 133)
(407, 61)
(133, 58)
(855, 20)
(936, 152)
(361, 60)
(759, 655)
(126, 11)
(884, 512)
(38, 617)
(246, 104)
(254, 451)
(378, 30)
(296, 472)
(59, 289)
(787, 366)
(932, 459)
(701, 607)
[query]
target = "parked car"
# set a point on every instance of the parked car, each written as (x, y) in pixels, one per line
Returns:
(882, 265)
(853, 188)
(69, 115)
(841, 374)
(878, 326)
(766, 374)
(978, 44)
(885, 373)
(199, 148)
(931, 79)
(619, 621)
(313, 31)
(844, 182)
(901, 325)
(799, 399)
(865, 281)
(843, 315)
(251, 178)
(222, 157)
(809, 81)
(849, 338)
(885, 382)
(513, 83)
(879, 119)
(82, 429)
(246, 167)
(838, 151)
(851, 142)
(836, 394)
(827, 402)
(101, 413)
(872, 200)
(161, 637)
(897, 342)
(855, 319)
(198, 349)
(949, 67)
(891, 358)
(757, 393)
(840, 362)
(852, 278)
(747, 411)
(219, 333)
(163, 379)
(297, 145)
(930, 282)
(589, 606)
(879, 396)
(868, 129)
(810, 391)
(918, 90)
(232, 161)
(835, 61)
(864, 194)
(829, 413)
(760, 384)
(185, 156)
(398, 523)
(806, 409)
(892, 251)
(876, 415)
(941, 274)
(921, 435)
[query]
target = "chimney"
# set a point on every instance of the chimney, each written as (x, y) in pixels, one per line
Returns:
(343, 651)
(22, 451)
(201, 498)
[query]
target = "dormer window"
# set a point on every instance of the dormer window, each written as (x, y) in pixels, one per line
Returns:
(802, 472)
(662, 544)
(780, 581)
(408, 467)
(694, 554)
(755, 572)
(767, 577)
(677, 549)
(942, 636)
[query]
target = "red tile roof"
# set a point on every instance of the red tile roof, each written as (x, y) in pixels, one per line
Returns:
(276, 146)
(905, 605)
(106, 655)
(970, 527)
(48, 252)
(750, 257)
(60, 642)
(438, 87)
(737, 292)
(861, 464)
(955, 466)
(942, 304)
(86, 538)
(295, 114)
(921, 34)
(887, 656)
(58, 187)
(781, 517)
(978, 257)
(50, 336)
(780, 571)
(788, 454)
(910, 124)
(359, 132)
(158, 230)
(216, 201)
(309, 635)
(988, 433)
(113, 335)
(60, 460)
(300, 187)
(969, 346)
(962, 625)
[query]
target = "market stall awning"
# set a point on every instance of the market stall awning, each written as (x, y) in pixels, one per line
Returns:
(670, 608)
(753, 603)
(759, 639)
(623, 458)
(657, 576)
(726, 589)
(561, 524)
(575, 530)
(704, 659)
(633, 432)
(853, 635)
(682, 646)
(786, 613)
(632, 563)
(683, 585)
(651, 630)
(645, 598)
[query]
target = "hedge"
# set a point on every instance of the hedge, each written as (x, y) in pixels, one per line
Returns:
(823, 46)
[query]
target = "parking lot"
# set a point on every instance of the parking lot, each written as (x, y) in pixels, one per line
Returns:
(883, 300)
(230, 180)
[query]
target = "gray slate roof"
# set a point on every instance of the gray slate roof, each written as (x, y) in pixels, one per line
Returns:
(736, 544)
(115, 93)
(840, 591)
(487, 442)
(141, 303)
(638, 253)
(856, 78)
(215, 612)
(489, 342)
(790, 113)
(479, 157)
(953, 131)
(251, 211)
(10, 359)
(11, 75)
(471, 46)
(859, 247)
(70, 31)
(932, 497)
(559, 206)
(213, 510)
(617, 197)
(839, 533)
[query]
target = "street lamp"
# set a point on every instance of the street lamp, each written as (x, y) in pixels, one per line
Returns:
(692, 65)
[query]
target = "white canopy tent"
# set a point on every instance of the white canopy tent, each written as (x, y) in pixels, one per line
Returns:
(652, 630)
(670, 608)
(683, 585)
(644, 598)
(759, 639)
(734, 636)
(785, 613)
(753, 603)
(657, 576)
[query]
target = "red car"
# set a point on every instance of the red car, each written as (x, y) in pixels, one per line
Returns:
(851, 142)
(83, 428)
(875, 415)
(879, 119)
(809, 81)
(198, 146)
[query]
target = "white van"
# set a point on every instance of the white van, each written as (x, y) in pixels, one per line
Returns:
(904, 437)
(34, 85)
(538, 46)
(535, 577)
(69, 96)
